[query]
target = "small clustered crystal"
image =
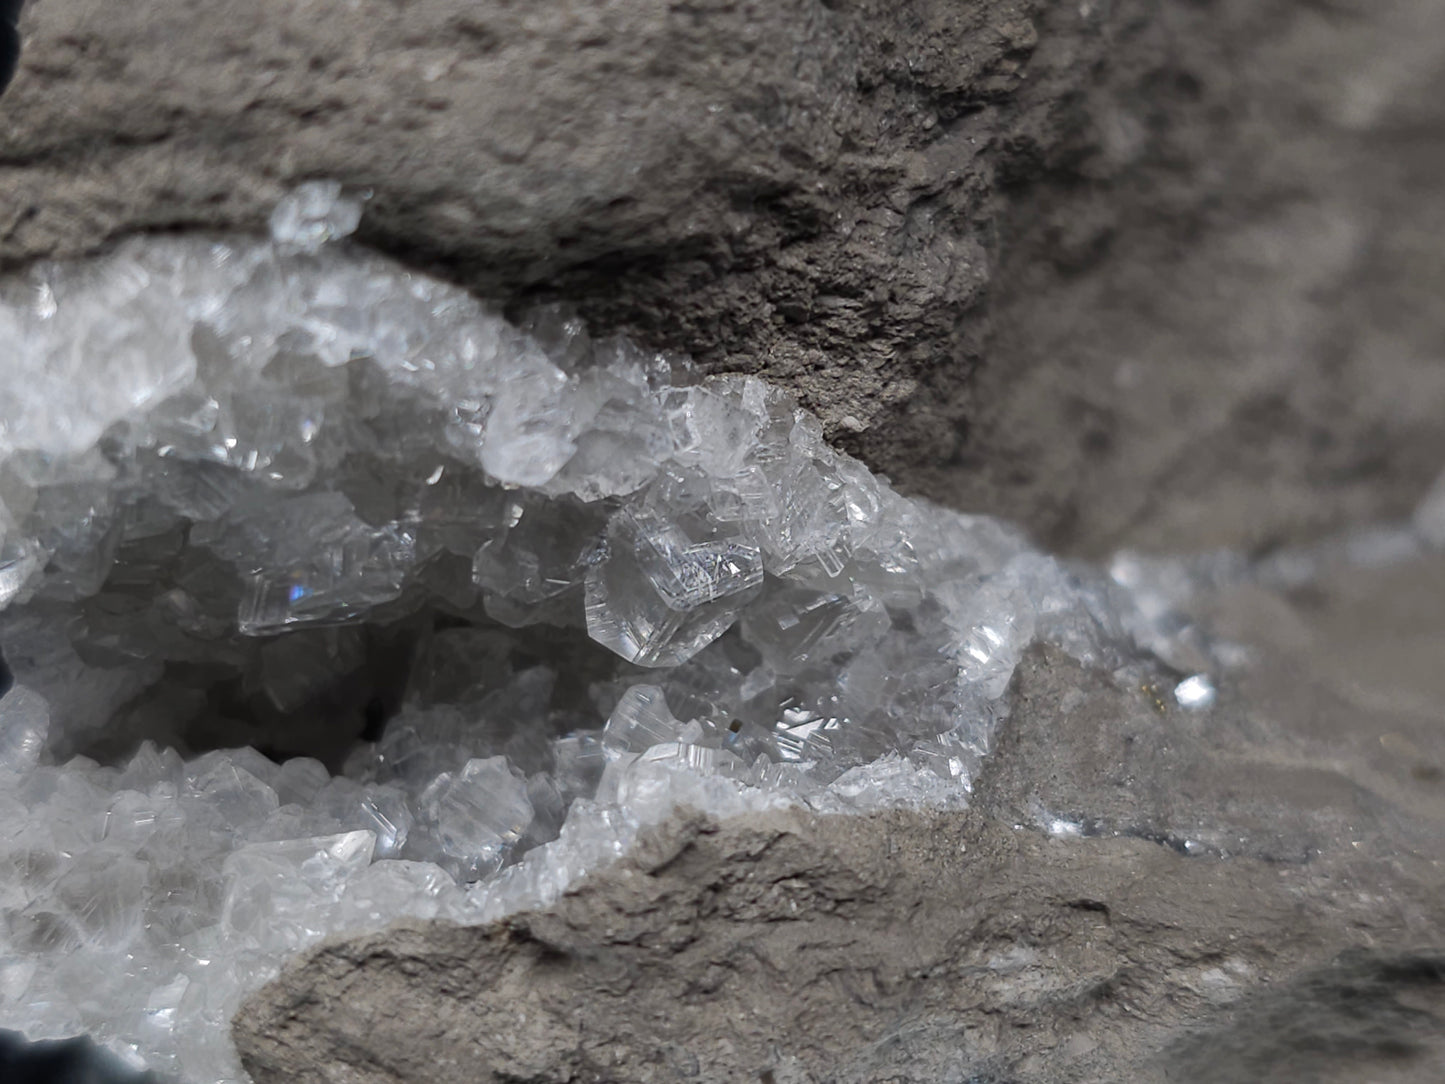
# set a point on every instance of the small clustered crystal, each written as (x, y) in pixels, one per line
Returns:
(258, 487)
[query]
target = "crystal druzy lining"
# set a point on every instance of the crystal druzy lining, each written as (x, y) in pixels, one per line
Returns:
(329, 596)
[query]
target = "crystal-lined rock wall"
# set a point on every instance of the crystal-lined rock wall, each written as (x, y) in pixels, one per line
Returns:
(329, 595)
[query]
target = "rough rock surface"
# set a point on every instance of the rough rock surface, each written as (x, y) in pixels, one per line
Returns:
(1118, 269)
(903, 948)
(1139, 893)
(1213, 319)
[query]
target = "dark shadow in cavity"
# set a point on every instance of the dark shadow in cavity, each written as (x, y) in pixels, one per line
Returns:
(72, 1061)
(197, 707)
(9, 40)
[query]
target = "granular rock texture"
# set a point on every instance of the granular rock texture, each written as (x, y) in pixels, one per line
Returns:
(1139, 893)
(900, 947)
(1090, 265)
(1214, 317)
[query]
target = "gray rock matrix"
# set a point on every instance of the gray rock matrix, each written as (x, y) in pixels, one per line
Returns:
(1124, 271)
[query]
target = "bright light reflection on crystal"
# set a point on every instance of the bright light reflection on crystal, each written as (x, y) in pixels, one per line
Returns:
(1195, 692)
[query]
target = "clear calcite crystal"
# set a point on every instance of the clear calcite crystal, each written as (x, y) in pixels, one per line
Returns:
(657, 596)
(332, 597)
(24, 724)
(478, 814)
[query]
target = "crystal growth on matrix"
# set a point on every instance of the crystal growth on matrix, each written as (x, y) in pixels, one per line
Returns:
(332, 597)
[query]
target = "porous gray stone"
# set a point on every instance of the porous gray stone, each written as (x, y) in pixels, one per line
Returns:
(1139, 893)
(1122, 271)
(900, 947)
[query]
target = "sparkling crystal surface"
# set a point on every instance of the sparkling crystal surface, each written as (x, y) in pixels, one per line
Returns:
(289, 495)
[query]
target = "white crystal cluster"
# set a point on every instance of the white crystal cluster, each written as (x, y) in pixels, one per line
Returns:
(486, 598)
